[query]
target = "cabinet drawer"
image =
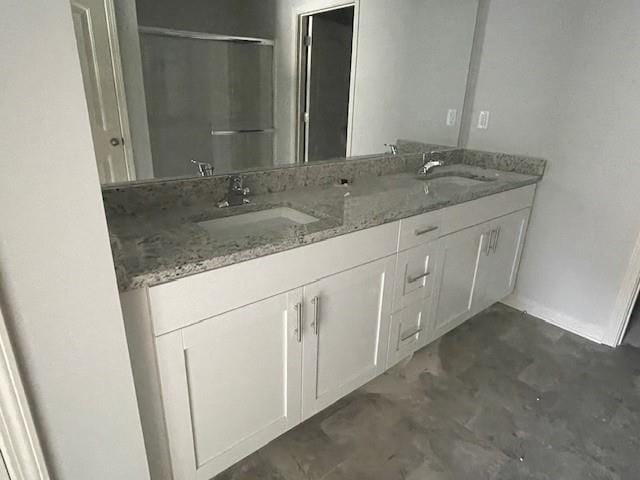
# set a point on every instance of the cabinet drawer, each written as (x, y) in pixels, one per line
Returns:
(468, 214)
(419, 229)
(410, 329)
(415, 274)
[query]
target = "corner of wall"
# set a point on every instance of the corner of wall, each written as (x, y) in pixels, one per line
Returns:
(554, 317)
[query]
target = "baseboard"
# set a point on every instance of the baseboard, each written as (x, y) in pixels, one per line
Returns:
(565, 322)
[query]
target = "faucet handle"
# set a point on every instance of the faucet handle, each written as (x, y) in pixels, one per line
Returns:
(393, 149)
(205, 169)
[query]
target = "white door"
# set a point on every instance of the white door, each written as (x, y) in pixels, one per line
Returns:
(94, 25)
(500, 259)
(4, 474)
(346, 332)
(461, 253)
(231, 384)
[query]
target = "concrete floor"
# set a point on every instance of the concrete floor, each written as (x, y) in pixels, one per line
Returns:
(505, 396)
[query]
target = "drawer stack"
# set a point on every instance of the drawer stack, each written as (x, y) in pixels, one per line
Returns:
(417, 271)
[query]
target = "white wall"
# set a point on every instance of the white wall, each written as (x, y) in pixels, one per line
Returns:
(57, 277)
(560, 78)
(412, 65)
(413, 61)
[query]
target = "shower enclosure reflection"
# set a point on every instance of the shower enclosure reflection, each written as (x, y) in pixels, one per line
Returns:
(210, 99)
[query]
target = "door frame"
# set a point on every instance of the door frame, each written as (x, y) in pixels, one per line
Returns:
(625, 300)
(118, 74)
(19, 442)
(306, 9)
(118, 80)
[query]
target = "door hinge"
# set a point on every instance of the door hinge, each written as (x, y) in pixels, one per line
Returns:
(306, 117)
(307, 40)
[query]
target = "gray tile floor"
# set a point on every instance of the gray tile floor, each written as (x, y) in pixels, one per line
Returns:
(504, 396)
(632, 335)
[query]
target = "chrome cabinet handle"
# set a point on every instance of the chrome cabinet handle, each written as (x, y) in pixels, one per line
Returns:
(316, 314)
(412, 333)
(495, 241)
(424, 231)
(411, 279)
(487, 249)
(299, 322)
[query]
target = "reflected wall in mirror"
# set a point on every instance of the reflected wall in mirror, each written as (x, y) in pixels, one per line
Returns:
(179, 89)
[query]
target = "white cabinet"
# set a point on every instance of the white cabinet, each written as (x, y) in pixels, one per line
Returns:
(224, 361)
(461, 252)
(345, 332)
(479, 268)
(499, 258)
(230, 384)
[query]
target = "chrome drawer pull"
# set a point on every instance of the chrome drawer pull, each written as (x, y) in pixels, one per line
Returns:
(413, 333)
(495, 242)
(489, 242)
(316, 314)
(424, 231)
(418, 277)
(299, 322)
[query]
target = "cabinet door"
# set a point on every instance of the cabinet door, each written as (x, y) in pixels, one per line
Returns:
(231, 384)
(461, 252)
(498, 266)
(346, 332)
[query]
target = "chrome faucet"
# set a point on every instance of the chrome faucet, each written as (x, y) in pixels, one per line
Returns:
(393, 149)
(237, 194)
(428, 163)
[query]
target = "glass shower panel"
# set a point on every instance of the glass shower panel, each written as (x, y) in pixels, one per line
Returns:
(208, 100)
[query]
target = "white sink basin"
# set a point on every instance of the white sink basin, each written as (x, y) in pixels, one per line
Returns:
(457, 181)
(273, 219)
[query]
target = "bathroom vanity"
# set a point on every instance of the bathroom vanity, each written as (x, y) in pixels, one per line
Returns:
(230, 351)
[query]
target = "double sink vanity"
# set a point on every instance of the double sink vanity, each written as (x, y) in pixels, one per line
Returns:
(245, 321)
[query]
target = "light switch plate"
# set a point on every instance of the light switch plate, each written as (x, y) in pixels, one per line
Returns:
(483, 120)
(452, 116)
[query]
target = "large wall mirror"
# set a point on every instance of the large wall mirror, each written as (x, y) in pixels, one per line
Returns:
(180, 89)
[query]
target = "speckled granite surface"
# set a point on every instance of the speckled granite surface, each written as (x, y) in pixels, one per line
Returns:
(158, 242)
(168, 194)
(500, 161)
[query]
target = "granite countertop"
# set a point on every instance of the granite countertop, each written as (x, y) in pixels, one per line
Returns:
(159, 245)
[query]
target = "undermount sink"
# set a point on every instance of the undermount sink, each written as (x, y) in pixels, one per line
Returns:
(273, 219)
(457, 180)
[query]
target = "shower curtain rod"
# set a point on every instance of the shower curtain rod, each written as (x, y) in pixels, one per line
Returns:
(170, 32)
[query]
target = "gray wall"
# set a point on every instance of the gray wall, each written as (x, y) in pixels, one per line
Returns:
(561, 81)
(247, 18)
(330, 84)
(59, 292)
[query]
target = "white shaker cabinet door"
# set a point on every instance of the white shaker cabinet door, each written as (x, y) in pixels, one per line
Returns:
(346, 332)
(460, 257)
(500, 258)
(231, 384)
